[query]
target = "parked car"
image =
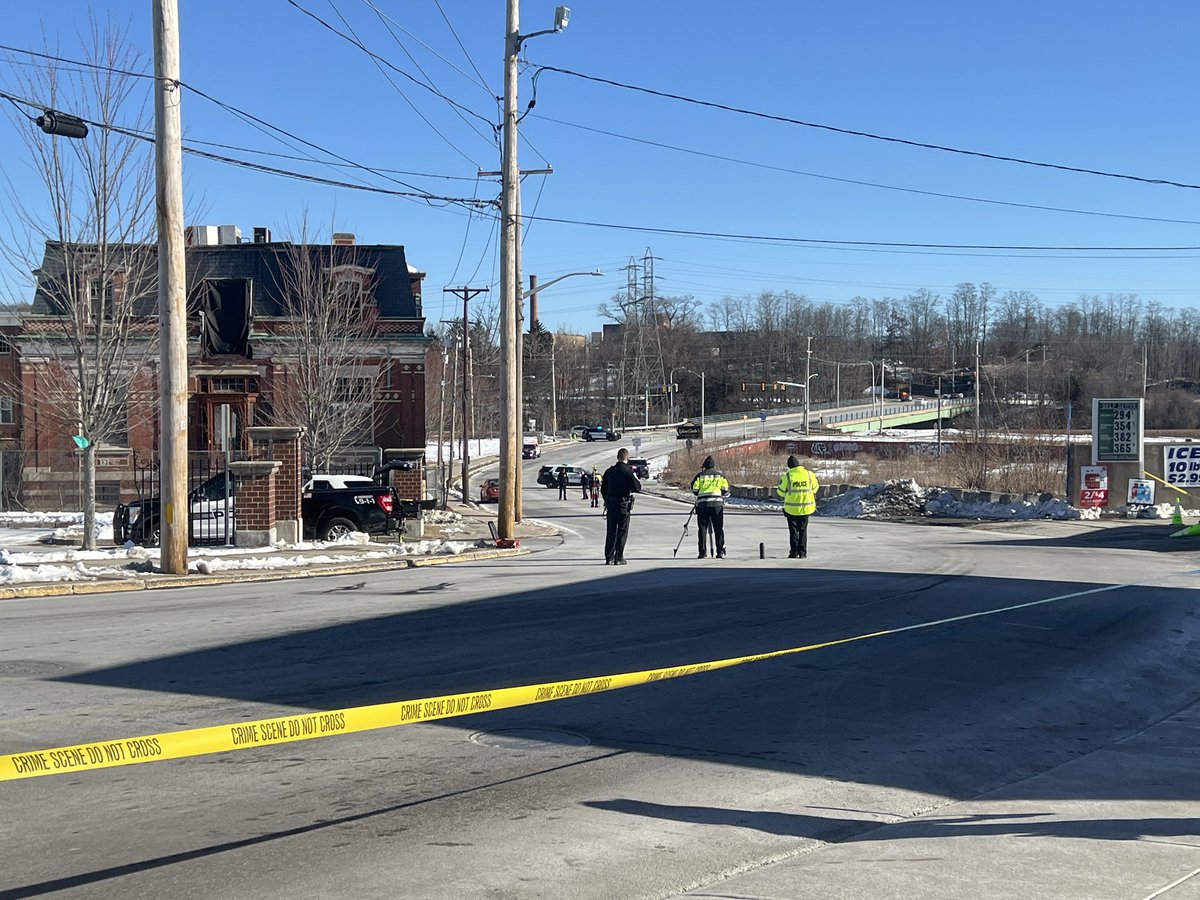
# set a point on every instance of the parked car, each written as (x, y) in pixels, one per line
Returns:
(548, 475)
(578, 430)
(336, 482)
(489, 491)
(600, 433)
(641, 467)
(328, 513)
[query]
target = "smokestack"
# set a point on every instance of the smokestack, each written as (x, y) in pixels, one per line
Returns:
(532, 303)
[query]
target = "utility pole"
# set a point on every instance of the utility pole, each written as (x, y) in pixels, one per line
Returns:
(466, 293)
(441, 425)
(939, 419)
(553, 391)
(807, 383)
(510, 273)
(976, 392)
(510, 295)
(172, 277)
(453, 427)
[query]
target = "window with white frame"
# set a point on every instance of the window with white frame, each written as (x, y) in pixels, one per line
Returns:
(6, 411)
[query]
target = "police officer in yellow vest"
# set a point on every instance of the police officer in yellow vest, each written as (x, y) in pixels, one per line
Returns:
(711, 488)
(798, 488)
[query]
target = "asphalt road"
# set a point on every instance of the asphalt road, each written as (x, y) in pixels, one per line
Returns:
(778, 771)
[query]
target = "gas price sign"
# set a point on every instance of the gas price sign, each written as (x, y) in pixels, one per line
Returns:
(1117, 430)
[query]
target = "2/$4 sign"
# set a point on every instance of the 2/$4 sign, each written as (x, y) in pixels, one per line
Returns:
(1118, 430)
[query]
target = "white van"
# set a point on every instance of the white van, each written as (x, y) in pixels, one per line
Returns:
(530, 447)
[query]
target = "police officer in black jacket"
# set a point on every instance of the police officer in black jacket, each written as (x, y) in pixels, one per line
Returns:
(617, 486)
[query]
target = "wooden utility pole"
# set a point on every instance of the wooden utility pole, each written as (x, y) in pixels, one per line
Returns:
(172, 276)
(519, 353)
(977, 392)
(466, 293)
(510, 294)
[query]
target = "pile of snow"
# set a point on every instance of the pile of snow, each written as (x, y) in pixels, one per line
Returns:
(942, 503)
(43, 574)
(39, 519)
(1165, 511)
(902, 498)
(392, 551)
(905, 499)
(441, 516)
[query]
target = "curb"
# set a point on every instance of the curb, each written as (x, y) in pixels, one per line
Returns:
(166, 582)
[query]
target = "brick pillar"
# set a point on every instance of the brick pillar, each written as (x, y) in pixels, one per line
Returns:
(254, 518)
(409, 483)
(282, 444)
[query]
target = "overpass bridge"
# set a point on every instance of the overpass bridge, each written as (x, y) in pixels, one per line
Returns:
(893, 415)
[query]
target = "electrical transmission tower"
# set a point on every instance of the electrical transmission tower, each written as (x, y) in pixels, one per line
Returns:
(641, 343)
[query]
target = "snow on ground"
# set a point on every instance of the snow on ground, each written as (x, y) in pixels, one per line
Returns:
(408, 548)
(45, 573)
(904, 498)
(478, 448)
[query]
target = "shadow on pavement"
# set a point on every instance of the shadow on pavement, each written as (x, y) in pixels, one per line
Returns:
(1156, 538)
(952, 709)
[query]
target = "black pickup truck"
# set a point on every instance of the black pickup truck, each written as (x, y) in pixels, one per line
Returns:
(328, 514)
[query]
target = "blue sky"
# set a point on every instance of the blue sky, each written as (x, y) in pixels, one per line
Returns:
(1093, 85)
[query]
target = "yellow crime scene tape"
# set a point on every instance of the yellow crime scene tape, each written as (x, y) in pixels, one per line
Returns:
(310, 726)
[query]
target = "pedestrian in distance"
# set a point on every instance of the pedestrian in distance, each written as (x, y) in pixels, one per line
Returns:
(562, 483)
(585, 484)
(618, 484)
(595, 488)
(798, 488)
(711, 488)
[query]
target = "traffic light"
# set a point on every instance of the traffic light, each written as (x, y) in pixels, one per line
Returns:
(62, 124)
(762, 385)
(743, 387)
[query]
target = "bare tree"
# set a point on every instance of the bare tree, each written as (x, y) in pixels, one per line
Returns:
(87, 342)
(325, 382)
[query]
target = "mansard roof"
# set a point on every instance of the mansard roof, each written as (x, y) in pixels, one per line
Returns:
(262, 264)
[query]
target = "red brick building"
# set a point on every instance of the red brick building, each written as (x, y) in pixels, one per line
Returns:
(238, 355)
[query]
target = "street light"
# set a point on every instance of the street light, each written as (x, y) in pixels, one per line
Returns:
(803, 387)
(533, 291)
(513, 459)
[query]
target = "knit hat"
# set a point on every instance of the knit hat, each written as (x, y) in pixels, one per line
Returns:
(708, 463)
(793, 462)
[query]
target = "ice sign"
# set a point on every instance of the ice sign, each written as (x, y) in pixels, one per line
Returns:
(1117, 430)
(1181, 463)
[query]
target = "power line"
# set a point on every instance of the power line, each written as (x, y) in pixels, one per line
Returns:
(724, 235)
(415, 194)
(77, 62)
(453, 146)
(482, 82)
(871, 184)
(864, 134)
(254, 121)
(388, 63)
(277, 155)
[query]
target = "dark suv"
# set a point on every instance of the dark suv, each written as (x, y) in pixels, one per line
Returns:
(641, 467)
(600, 433)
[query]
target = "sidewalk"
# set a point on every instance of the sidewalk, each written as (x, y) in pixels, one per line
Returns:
(1117, 823)
(60, 570)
